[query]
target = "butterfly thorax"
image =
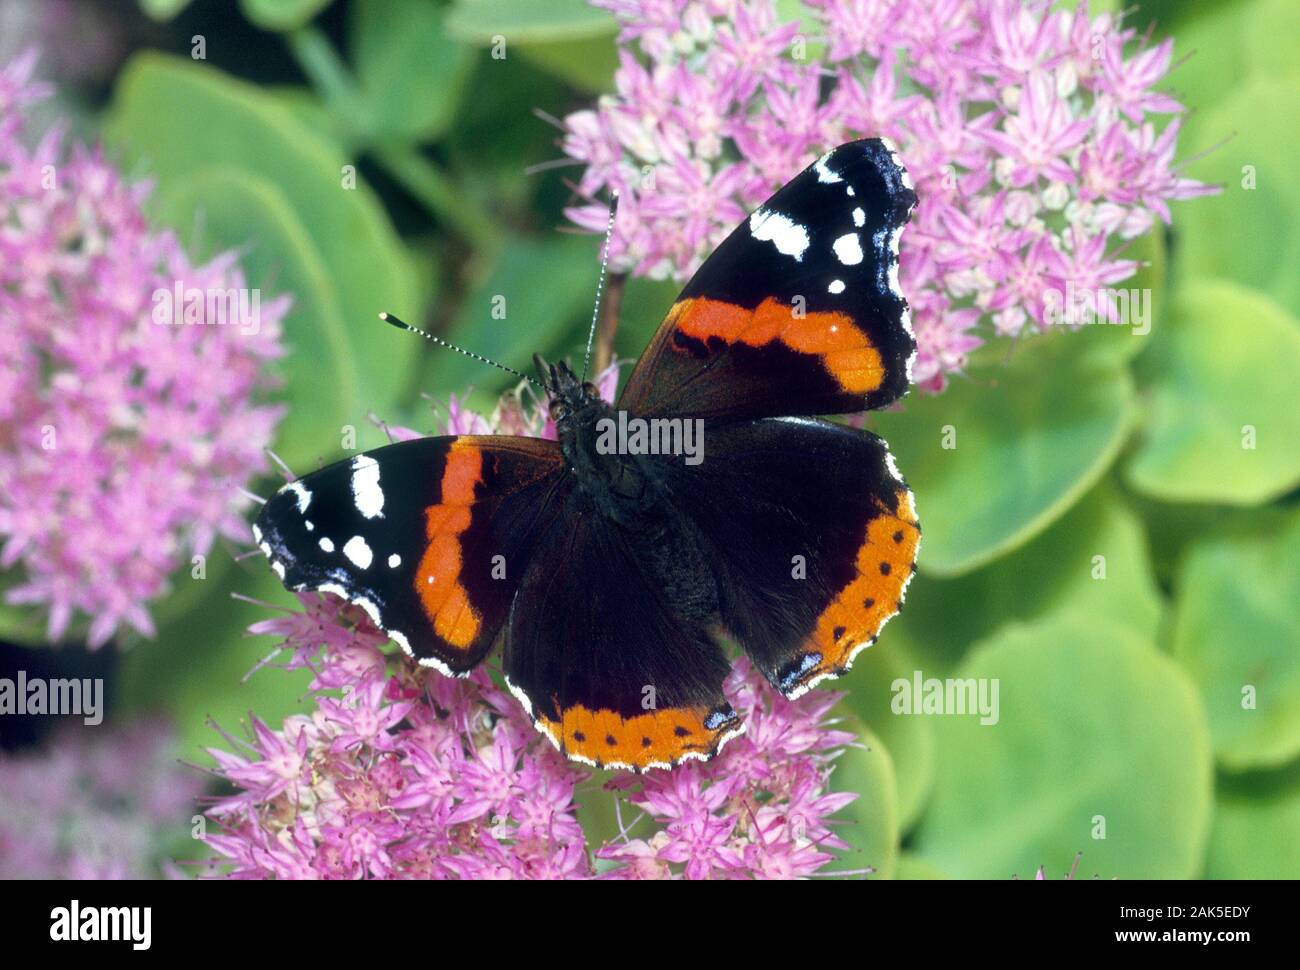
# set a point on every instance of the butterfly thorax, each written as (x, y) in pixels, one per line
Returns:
(618, 486)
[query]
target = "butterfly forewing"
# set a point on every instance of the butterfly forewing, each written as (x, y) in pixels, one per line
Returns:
(798, 311)
(431, 537)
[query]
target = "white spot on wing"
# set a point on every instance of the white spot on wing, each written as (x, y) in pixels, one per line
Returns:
(394, 561)
(893, 153)
(848, 249)
(790, 238)
(304, 496)
(823, 170)
(836, 287)
(859, 217)
(441, 667)
(357, 550)
(366, 493)
(326, 544)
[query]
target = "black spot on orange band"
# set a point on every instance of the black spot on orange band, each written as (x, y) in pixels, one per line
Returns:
(653, 739)
(885, 563)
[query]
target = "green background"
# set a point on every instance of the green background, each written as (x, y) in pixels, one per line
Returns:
(1098, 540)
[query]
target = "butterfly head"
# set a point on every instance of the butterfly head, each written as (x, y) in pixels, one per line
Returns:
(566, 394)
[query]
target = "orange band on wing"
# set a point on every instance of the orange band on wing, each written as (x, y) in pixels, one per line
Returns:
(845, 350)
(654, 739)
(885, 563)
(438, 579)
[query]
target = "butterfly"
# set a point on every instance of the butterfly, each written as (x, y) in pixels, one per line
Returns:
(711, 503)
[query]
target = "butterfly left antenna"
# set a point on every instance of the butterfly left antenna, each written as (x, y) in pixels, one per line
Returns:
(600, 286)
(401, 325)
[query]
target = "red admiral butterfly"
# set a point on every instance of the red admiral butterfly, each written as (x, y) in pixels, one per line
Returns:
(610, 572)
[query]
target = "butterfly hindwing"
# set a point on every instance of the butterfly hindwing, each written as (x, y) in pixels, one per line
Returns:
(812, 537)
(431, 536)
(604, 660)
(798, 311)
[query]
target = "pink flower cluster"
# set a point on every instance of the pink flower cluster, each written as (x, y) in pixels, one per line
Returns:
(111, 806)
(123, 441)
(400, 772)
(1037, 140)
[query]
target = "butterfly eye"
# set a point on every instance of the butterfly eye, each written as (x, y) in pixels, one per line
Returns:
(590, 390)
(559, 410)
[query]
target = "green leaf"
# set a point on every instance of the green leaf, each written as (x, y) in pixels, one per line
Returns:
(282, 14)
(536, 285)
(236, 209)
(1271, 36)
(1225, 42)
(871, 828)
(412, 74)
(214, 121)
(1210, 36)
(1030, 439)
(1249, 233)
(1169, 528)
(527, 21)
(193, 670)
(587, 63)
(1236, 628)
(303, 104)
(912, 867)
(1095, 727)
(1222, 423)
(909, 740)
(1256, 832)
(1058, 571)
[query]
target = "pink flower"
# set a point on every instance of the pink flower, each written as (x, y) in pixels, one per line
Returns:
(1039, 136)
(407, 774)
(124, 442)
(1011, 109)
